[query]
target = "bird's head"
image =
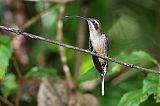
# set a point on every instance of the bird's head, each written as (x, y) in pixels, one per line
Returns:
(94, 24)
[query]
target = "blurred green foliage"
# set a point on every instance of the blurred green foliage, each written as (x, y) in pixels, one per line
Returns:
(91, 74)
(133, 29)
(151, 86)
(9, 85)
(42, 72)
(5, 55)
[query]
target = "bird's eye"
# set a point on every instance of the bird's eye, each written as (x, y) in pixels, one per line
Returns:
(93, 22)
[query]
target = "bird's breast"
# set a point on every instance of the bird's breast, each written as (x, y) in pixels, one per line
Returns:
(98, 44)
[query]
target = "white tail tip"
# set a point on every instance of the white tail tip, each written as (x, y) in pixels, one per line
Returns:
(102, 83)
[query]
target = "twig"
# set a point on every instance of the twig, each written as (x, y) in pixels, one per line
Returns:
(20, 81)
(56, 1)
(19, 91)
(16, 67)
(19, 32)
(81, 38)
(6, 101)
(37, 17)
(61, 49)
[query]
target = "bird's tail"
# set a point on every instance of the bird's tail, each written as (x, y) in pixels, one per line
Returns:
(102, 78)
(102, 84)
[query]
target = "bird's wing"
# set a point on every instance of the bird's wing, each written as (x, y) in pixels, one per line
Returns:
(106, 49)
(90, 45)
(107, 45)
(95, 58)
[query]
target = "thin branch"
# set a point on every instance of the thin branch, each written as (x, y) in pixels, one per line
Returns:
(6, 101)
(37, 17)
(19, 32)
(81, 38)
(19, 91)
(20, 81)
(16, 67)
(56, 1)
(62, 52)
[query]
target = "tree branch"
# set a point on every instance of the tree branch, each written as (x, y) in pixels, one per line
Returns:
(6, 101)
(19, 32)
(62, 52)
(20, 82)
(56, 1)
(81, 38)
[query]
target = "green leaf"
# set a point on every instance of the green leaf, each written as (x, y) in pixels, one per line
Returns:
(132, 98)
(91, 74)
(8, 85)
(49, 26)
(5, 54)
(40, 72)
(86, 65)
(137, 57)
(151, 85)
(140, 57)
(114, 92)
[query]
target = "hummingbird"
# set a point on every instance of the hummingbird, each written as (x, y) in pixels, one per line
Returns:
(99, 44)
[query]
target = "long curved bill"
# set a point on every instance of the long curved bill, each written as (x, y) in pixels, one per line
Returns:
(77, 17)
